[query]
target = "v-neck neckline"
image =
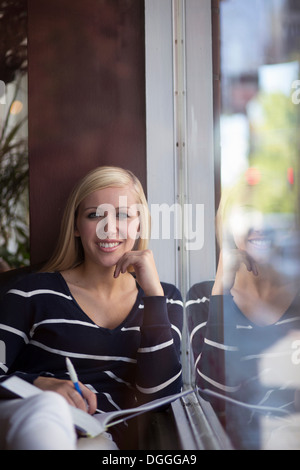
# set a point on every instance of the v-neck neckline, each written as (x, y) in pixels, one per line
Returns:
(83, 313)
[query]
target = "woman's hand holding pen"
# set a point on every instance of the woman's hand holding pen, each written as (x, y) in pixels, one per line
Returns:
(145, 270)
(87, 402)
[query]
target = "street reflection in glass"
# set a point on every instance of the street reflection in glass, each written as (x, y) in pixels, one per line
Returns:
(244, 324)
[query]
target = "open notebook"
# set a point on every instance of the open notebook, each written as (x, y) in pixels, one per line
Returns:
(87, 425)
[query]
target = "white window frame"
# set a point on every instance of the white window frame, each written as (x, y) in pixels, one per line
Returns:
(179, 120)
(181, 168)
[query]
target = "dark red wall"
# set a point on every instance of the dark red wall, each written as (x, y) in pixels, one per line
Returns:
(86, 70)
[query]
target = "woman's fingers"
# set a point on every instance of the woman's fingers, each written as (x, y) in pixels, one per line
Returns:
(87, 402)
(90, 399)
(230, 262)
(145, 270)
(249, 262)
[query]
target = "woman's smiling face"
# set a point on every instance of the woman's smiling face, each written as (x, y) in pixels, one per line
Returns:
(108, 224)
(252, 233)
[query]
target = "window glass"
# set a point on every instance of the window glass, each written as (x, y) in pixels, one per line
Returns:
(245, 325)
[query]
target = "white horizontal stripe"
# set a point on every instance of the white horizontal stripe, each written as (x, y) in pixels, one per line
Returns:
(156, 348)
(3, 367)
(109, 398)
(159, 387)
(197, 301)
(131, 328)
(169, 301)
(288, 320)
(38, 292)
(197, 360)
(244, 327)
(175, 328)
(220, 345)
(89, 386)
(172, 301)
(225, 388)
(82, 356)
(263, 355)
(243, 404)
(14, 331)
(201, 325)
(118, 379)
(62, 320)
(137, 328)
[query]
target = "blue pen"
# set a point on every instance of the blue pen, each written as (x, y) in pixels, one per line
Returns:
(73, 375)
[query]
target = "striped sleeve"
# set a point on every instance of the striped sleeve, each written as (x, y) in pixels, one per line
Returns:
(15, 325)
(205, 321)
(158, 357)
(197, 310)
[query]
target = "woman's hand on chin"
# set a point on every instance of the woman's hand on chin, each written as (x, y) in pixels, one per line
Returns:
(145, 270)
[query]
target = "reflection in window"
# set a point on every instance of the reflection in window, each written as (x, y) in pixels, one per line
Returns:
(245, 325)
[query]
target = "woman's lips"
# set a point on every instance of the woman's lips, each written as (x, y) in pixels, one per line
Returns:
(260, 242)
(109, 245)
(260, 239)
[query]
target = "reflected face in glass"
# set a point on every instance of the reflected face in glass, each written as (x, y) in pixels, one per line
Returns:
(259, 244)
(265, 237)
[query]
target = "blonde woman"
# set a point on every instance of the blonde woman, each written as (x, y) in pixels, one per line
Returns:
(100, 301)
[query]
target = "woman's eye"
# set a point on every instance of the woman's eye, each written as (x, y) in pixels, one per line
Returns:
(122, 215)
(93, 215)
(118, 215)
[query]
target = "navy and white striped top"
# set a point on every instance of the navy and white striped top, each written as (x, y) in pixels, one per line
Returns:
(256, 369)
(41, 324)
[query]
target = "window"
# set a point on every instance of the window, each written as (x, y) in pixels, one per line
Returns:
(255, 139)
(245, 343)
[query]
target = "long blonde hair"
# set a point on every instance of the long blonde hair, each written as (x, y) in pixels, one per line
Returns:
(69, 251)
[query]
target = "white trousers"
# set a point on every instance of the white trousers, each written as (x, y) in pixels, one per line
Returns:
(43, 422)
